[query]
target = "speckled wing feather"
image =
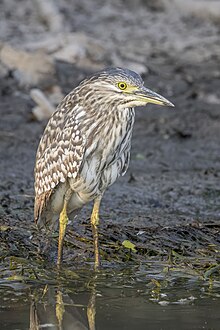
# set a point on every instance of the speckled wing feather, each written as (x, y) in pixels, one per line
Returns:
(60, 152)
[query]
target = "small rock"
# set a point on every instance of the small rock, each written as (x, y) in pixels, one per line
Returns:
(30, 69)
(44, 107)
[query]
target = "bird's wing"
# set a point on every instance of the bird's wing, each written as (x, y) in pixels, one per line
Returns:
(60, 153)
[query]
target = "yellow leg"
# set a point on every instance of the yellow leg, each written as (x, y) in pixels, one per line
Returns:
(62, 228)
(94, 223)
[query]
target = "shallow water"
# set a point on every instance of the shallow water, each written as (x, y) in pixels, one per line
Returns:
(136, 297)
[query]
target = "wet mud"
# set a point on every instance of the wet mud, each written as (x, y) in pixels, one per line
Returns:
(167, 205)
(168, 201)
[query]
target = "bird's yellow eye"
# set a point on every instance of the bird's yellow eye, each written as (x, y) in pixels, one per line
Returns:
(122, 85)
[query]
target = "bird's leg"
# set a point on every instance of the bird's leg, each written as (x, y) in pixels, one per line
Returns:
(63, 220)
(94, 223)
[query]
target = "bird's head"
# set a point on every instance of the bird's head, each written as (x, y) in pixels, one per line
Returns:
(122, 88)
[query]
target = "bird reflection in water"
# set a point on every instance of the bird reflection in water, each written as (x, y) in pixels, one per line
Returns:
(55, 310)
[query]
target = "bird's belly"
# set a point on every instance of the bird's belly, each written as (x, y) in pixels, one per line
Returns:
(57, 199)
(109, 176)
(94, 180)
(87, 184)
(102, 167)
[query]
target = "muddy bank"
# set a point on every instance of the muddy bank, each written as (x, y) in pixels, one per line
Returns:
(169, 199)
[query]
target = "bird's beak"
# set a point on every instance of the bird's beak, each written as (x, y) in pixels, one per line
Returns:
(148, 96)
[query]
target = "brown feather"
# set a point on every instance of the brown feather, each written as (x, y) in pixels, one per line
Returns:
(60, 152)
(40, 204)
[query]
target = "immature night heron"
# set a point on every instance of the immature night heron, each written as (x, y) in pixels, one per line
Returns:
(86, 147)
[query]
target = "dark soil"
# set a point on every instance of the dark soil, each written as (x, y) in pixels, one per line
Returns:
(167, 203)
